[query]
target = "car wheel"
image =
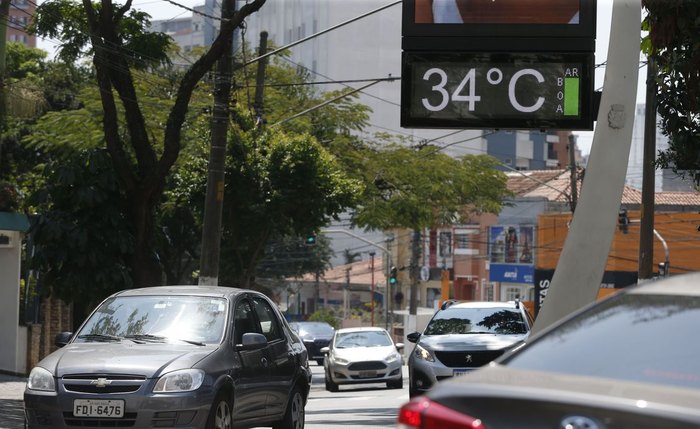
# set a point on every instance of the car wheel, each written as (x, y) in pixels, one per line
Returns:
(294, 416)
(330, 385)
(398, 384)
(220, 413)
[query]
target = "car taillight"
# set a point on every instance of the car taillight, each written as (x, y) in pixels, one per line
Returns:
(422, 413)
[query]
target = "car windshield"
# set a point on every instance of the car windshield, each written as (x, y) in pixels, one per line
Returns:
(311, 328)
(647, 338)
(362, 339)
(476, 321)
(194, 319)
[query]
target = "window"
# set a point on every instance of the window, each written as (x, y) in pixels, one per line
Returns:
(244, 321)
(268, 320)
(445, 243)
(511, 293)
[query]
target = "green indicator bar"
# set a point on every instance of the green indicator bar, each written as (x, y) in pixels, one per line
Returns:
(571, 95)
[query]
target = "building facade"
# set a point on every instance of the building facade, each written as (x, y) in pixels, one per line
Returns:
(20, 15)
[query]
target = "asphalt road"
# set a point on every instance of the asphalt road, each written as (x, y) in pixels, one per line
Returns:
(364, 406)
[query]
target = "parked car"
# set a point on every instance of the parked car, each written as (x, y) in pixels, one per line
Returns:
(463, 336)
(315, 335)
(363, 355)
(628, 361)
(174, 356)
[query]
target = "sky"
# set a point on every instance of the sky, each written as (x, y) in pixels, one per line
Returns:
(161, 9)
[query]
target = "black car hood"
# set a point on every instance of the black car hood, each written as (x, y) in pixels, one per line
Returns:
(148, 360)
(457, 342)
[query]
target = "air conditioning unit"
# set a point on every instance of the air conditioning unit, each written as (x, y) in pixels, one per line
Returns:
(6, 241)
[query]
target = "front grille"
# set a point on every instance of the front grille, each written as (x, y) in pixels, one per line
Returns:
(366, 366)
(128, 420)
(102, 383)
(467, 359)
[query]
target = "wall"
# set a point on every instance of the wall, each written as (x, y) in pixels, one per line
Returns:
(14, 346)
(679, 229)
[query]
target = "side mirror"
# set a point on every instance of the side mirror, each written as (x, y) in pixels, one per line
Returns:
(325, 350)
(413, 337)
(252, 341)
(399, 347)
(62, 339)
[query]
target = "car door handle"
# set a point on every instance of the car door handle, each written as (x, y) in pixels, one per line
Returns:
(263, 362)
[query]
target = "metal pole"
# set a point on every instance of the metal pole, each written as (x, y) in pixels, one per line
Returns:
(572, 166)
(371, 258)
(646, 240)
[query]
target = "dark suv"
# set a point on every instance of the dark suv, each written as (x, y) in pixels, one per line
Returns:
(175, 356)
(464, 336)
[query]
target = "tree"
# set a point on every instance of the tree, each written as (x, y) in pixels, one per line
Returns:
(116, 38)
(674, 43)
(277, 184)
(424, 188)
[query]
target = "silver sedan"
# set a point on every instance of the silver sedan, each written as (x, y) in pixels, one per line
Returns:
(363, 355)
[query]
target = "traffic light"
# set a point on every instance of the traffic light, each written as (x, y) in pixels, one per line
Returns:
(392, 275)
(310, 239)
(623, 221)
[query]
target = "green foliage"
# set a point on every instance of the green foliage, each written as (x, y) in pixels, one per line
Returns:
(83, 241)
(324, 315)
(289, 256)
(674, 43)
(425, 188)
(66, 20)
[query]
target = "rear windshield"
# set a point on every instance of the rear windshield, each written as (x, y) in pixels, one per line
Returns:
(476, 321)
(647, 338)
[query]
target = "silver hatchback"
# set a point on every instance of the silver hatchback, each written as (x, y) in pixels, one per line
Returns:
(179, 356)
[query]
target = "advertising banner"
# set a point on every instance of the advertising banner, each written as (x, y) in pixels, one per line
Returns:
(511, 253)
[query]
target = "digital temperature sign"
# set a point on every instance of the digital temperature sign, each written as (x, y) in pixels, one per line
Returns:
(500, 90)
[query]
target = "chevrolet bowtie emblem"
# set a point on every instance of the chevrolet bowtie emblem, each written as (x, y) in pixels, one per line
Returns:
(101, 382)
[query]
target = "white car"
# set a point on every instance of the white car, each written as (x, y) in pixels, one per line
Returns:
(363, 355)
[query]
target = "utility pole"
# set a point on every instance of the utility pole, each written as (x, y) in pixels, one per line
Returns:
(213, 205)
(572, 166)
(260, 80)
(646, 230)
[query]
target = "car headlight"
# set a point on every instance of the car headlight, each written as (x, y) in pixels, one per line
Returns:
(184, 380)
(423, 354)
(41, 379)
(392, 358)
(339, 360)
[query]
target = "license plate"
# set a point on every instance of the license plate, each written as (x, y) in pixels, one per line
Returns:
(110, 408)
(459, 372)
(368, 374)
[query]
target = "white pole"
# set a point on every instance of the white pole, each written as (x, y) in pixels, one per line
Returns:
(582, 262)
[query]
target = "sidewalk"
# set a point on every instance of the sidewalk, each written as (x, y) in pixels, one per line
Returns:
(11, 405)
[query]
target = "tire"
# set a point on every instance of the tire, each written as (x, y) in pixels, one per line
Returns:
(398, 384)
(220, 414)
(330, 385)
(294, 416)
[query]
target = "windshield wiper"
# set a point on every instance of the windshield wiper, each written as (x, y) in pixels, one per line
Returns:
(100, 337)
(193, 342)
(146, 337)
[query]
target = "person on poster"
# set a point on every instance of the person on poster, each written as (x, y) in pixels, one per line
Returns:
(511, 245)
(526, 253)
(497, 12)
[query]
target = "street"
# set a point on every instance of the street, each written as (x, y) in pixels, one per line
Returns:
(362, 406)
